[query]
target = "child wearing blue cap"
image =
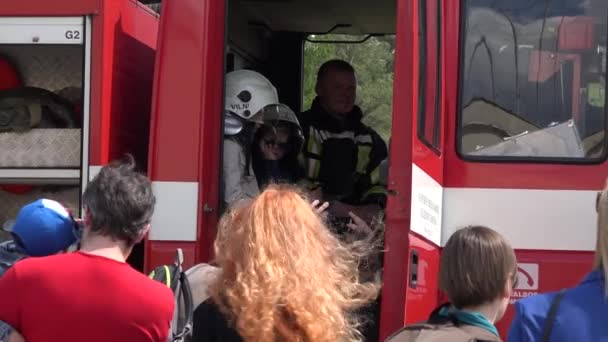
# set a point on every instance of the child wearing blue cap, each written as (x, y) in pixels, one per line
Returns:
(42, 228)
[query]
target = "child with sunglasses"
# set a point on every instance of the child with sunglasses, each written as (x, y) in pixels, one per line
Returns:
(276, 146)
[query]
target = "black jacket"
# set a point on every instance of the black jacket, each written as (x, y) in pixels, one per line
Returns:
(343, 158)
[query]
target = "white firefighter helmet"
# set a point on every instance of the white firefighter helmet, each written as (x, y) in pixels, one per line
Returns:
(281, 114)
(247, 93)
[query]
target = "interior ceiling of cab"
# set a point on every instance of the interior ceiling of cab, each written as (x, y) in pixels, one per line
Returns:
(320, 16)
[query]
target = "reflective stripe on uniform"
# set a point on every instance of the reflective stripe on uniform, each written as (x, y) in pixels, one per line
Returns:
(374, 190)
(315, 142)
(313, 168)
(314, 148)
(363, 152)
(375, 175)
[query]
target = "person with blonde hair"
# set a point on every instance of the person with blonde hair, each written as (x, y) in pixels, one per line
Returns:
(574, 314)
(285, 276)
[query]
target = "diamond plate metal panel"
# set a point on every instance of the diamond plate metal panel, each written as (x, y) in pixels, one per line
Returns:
(41, 147)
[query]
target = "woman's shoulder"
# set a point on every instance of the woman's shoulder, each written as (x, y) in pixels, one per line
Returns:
(538, 303)
(530, 316)
(590, 290)
(575, 306)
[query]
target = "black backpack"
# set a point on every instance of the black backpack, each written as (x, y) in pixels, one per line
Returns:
(175, 278)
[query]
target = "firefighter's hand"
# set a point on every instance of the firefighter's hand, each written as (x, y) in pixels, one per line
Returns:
(358, 225)
(320, 207)
(15, 337)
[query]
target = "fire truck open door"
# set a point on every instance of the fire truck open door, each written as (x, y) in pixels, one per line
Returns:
(413, 215)
(186, 130)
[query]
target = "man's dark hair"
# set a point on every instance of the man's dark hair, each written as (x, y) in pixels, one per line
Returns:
(336, 65)
(120, 201)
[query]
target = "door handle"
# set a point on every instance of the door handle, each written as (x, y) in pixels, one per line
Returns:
(414, 261)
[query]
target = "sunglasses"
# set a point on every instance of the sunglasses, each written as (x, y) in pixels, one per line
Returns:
(273, 142)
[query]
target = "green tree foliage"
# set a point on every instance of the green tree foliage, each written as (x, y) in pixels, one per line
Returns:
(373, 61)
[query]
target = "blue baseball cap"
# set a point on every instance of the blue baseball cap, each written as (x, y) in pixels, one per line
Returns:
(44, 227)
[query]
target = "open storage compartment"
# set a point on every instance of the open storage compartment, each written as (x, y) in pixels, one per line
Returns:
(43, 110)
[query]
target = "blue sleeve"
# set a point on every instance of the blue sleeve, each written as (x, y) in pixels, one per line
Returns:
(516, 331)
(523, 328)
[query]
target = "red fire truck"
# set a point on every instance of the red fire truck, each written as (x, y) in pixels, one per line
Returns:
(498, 119)
(98, 55)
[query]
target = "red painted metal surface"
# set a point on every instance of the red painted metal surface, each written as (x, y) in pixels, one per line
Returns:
(186, 110)
(400, 175)
(50, 8)
(131, 33)
(492, 174)
(211, 127)
(176, 108)
(422, 298)
(424, 157)
(123, 40)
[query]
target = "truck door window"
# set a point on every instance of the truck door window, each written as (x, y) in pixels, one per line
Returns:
(533, 80)
(429, 89)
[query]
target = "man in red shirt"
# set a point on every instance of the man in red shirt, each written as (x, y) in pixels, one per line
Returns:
(93, 294)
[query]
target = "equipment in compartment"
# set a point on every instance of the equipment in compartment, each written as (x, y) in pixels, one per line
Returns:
(24, 108)
(9, 76)
(40, 119)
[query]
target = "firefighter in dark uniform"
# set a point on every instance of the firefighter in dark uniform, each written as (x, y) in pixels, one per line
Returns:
(341, 155)
(342, 160)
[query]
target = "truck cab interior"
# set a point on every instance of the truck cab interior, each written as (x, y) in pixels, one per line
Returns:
(533, 79)
(268, 35)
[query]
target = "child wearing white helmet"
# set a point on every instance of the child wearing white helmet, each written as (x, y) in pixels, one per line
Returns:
(276, 147)
(247, 94)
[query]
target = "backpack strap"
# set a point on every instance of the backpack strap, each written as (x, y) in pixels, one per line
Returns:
(551, 314)
(186, 292)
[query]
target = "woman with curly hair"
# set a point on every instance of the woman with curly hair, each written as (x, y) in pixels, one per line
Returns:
(285, 276)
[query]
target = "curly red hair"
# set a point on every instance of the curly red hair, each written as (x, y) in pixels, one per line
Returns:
(285, 276)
